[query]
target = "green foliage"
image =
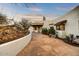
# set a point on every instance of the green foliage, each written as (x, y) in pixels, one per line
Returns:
(52, 30)
(3, 19)
(49, 31)
(45, 31)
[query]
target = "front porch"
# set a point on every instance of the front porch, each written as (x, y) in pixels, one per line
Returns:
(37, 27)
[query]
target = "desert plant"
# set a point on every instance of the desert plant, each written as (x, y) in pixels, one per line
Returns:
(45, 31)
(52, 31)
(3, 19)
(67, 39)
(23, 25)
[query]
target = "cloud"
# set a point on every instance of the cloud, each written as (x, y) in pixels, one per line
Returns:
(32, 6)
(64, 8)
(35, 9)
(53, 16)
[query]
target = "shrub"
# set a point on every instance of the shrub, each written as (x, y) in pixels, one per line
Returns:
(23, 25)
(3, 19)
(67, 39)
(45, 31)
(52, 31)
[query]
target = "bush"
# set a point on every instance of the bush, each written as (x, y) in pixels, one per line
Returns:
(45, 31)
(23, 25)
(52, 31)
(3, 19)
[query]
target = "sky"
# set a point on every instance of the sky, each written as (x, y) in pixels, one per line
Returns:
(50, 9)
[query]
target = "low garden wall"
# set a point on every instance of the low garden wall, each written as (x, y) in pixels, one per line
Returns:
(61, 34)
(13, 47)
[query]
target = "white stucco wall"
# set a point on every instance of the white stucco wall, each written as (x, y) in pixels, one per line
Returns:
(13, 47)
(46, 25)
(31, 18)
(72, 24)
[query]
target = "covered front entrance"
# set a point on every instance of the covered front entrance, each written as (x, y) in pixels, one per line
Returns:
(37, 28)
(61, 25)
(60, 29)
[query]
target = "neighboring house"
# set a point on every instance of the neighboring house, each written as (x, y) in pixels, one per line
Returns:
(37, 26)
(68, 24)
(37, 21)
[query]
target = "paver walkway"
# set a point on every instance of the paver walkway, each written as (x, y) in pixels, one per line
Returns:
(42, 45)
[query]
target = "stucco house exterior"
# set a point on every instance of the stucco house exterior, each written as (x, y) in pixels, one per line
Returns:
(37, 21)
(68, 23)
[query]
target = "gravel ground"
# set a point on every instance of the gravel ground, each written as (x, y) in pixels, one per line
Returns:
(42, 45)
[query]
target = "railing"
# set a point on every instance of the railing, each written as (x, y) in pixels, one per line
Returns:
(13, 47)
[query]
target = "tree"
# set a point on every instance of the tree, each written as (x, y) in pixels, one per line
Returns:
(3, 19)
(52, 30)
(45, 31)
(23, 25)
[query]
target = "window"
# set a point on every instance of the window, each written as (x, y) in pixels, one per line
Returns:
(60, 27)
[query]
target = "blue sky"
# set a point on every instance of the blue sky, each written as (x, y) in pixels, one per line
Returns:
(53, 9)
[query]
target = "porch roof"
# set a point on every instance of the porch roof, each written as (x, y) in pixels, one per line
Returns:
(61, 22)
(37, 23)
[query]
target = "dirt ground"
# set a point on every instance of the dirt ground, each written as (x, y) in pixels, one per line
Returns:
(42, 45)
(9, 33)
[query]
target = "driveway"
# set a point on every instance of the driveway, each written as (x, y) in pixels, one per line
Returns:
(42, 45)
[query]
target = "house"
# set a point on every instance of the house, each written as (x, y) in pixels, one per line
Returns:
(46, 23)
(37, 21)
(68, 24)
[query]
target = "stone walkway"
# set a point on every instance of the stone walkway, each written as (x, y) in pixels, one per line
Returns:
(42, 45)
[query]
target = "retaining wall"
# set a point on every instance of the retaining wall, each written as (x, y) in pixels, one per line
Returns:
(13, 47)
